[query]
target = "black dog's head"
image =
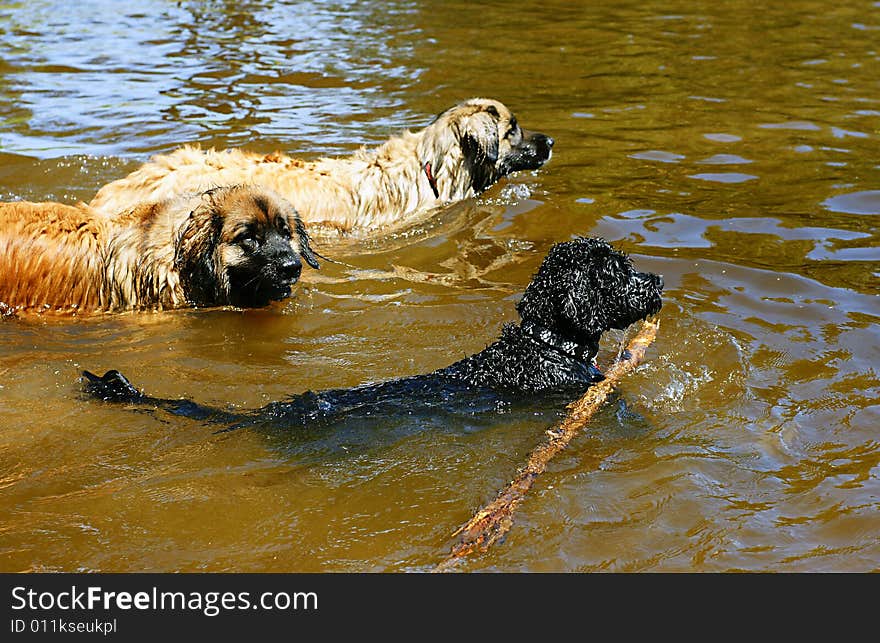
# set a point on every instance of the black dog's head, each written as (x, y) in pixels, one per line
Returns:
(585, 287)
(484, 136)
(242, 246)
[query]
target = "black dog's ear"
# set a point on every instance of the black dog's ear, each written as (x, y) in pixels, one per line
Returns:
(305, 250)
(581, 310)
(194, 256)
(564, 294)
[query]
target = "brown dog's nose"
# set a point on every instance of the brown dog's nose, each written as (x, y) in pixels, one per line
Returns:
(290, 269)
(543, 144)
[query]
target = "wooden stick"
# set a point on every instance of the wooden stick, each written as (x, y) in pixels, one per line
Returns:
(491, 522)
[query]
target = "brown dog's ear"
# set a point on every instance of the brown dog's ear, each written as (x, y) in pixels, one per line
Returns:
(466, 134)
(479, 144)
(201, 279)
(305, 250)
(479, 136)
(435, 146)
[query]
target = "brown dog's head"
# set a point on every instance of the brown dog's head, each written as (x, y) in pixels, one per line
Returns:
(482, 137)
(241, 246)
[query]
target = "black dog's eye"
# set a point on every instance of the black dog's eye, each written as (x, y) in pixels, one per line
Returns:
(283, 227)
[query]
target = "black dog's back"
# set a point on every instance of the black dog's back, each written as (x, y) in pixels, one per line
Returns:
(420, 395)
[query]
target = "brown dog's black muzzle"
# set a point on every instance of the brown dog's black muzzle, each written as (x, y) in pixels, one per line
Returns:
(290, 268)
(282, 262)
(533, 151)
(543, 144)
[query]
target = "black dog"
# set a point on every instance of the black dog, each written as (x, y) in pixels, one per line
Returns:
(583, 288)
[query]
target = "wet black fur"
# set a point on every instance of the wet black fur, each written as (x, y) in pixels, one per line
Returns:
(583, 288)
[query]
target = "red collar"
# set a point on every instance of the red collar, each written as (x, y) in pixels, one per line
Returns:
(433, 181)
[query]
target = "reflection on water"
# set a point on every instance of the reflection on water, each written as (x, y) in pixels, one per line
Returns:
(864, 202)
(88, 78)
(729, 149)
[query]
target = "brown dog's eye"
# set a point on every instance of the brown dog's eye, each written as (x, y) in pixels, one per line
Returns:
(283, 228)
(246, 239)
(512, 127)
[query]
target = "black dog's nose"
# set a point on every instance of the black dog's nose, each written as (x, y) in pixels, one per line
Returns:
(658, 281)
(550, 142)
(290, 268)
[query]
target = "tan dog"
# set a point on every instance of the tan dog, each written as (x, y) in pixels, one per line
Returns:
(461, 153)
(236, 246)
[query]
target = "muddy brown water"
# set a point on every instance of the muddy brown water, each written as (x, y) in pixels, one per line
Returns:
(734, 149)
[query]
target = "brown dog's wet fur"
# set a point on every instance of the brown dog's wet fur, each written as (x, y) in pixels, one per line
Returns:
(238, 246)
(463, 151)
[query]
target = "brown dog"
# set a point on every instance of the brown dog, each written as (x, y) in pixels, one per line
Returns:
(461, 153)
(237, 246)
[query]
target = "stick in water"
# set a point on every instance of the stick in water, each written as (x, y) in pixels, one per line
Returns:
(491, 522)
